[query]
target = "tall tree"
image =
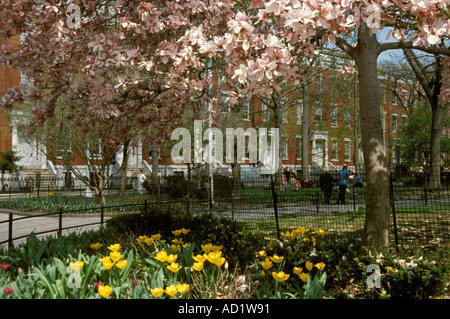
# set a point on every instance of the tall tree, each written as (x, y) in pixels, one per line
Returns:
(351, 26)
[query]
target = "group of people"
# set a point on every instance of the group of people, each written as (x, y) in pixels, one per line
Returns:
(327, 183)
(292, 182)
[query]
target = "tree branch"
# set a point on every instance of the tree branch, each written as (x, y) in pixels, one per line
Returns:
(408, 45)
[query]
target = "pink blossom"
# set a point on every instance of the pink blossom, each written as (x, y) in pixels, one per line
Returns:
(4, 266)
(8, 290)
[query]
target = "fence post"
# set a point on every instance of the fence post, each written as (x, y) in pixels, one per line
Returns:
(145, 206)
(275, 205)
(102, 214)
(10, 230)
(394, 217)
(60, 222)
(425, 194)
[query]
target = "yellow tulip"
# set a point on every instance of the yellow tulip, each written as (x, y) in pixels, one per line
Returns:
(320, 233)
(177, 232)
(149, 241)
(115, 255)
(177, 241)
(197, 266)
(104, 291)
(175, 248)
(156, 292)
(121, 264)
(298, 270)
(281, 276)
(266, 264)
(142, 238)
(219, 261)
(320, 266)
(171, 290)
(309, 265)
(171, 258)
(216, 248)
(277, 259)
(76, 265)
(182, 288)
(262, 253)
(199, 258)
(207, 248)
(161, 256)
(173, 267)
(106, 262)
(304, 277)
(114, 247)
(96, 246)
(185, 231)
(156, 237)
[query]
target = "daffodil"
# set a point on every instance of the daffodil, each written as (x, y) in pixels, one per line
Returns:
(104, 291)
(171, 290)
(96, 246)
(115, 255)
(262, 253)
(161, 256)
(175, 248)
(309, 265)
(185, 231)
(320, 266)
(149, 241)
(156, 292)
(304, 277)
(267, 264)
(76, 265)
(182, 288)
(114, 247)
(121, 264)
(277, 259)
(280, 276)
(173, 267)
(198, 266)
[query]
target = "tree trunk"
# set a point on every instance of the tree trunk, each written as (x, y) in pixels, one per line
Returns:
(376, 228)
(154, 167)
(278, 120)
(305, 132)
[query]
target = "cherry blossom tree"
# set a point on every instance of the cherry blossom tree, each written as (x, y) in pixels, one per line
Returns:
(351, 26)
(134, 65)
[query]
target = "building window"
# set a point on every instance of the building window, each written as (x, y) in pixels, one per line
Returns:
(265, 113)
(95, 149)
(405, 98)
(159, 151)
(299, 148)
(245, 111)
(347, 119)
(284, 148)
(394, 123)
(404, 121)
(318, 114)
(299, 112)
(334, 116)
(394, 98)
(334, 149)
(348, 150)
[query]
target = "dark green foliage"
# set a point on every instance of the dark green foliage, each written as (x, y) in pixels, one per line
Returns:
(239, 244)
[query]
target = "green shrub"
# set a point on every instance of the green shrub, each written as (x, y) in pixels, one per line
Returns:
(239, 244)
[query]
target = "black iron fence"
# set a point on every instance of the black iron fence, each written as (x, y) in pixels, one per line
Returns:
(419, 213)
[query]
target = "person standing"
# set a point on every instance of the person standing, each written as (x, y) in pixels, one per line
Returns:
(344, 175)
(326, 184)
